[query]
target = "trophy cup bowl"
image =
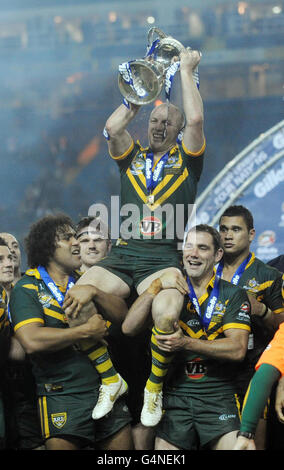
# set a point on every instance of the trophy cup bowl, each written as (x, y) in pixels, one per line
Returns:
(148, 74)
(166, 50)
(147, 78)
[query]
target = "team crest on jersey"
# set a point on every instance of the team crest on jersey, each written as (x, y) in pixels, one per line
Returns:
(252, 285)
(220, 308)
(173, 165)
(173, 161)
(219, 312)
(59, 419)
(44, 298)
(195, 369)
(150, 226)
(138, 165)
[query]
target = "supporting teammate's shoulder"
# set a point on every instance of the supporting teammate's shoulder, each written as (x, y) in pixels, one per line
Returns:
(29, 279)
(266, 269)
(231, 291)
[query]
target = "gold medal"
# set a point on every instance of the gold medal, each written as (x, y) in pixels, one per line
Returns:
(151, 199)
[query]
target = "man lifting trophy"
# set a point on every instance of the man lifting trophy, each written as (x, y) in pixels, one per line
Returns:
(166, 173)
(141, 81)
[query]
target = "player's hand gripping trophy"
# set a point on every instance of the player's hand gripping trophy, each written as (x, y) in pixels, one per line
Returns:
(141, 81)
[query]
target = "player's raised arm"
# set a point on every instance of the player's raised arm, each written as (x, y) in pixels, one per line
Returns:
(193, 136)
(119, 139)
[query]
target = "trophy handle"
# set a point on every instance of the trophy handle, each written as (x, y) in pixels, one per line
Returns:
(151, 33)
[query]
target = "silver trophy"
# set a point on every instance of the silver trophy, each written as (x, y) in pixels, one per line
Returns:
(141, 81)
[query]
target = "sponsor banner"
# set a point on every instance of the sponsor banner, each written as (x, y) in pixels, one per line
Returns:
(254, 179)
(265, 199)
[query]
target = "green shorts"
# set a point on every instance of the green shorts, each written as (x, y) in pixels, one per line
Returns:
(134, 269)
(71, 416)
(192, 423)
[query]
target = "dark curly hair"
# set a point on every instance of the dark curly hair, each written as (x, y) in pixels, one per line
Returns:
(40, 243)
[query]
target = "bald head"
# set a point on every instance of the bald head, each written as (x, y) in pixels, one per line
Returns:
(173, 112)
(165, 123)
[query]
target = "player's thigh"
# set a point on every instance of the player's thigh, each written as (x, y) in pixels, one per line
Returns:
(146, 282)
(143, 437)
(121, 440)
(113, 431)
(56, 443)
(161, 444)
(225, 442)
(105, 280)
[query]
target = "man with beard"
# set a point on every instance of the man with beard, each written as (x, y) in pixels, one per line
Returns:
(67, 383)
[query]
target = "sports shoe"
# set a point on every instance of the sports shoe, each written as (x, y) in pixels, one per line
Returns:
(108, 394)
(152, 408)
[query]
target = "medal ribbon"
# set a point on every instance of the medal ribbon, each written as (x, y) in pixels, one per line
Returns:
(57, 294)
(205, 320)
(152, 177)
(152, 48)
(172, 70)
(238, 273)
(9, 313)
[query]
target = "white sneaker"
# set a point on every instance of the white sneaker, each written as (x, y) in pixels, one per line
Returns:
(108, 394)
(152, 408)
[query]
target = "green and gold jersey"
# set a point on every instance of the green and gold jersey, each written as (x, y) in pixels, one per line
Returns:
(160, 221)
(5, 329)
(64, 371)
(4, 320)
(196, 374)
(265, 284)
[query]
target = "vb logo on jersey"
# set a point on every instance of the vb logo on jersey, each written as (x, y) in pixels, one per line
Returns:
(150, 226)
(195, 369)
(59, 419)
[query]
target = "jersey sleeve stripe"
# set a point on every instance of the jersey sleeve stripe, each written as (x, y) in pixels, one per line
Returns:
(125, 154)
(194, 154)
(26, 322)
(240, 326)
(278, 310)
(30, 286)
